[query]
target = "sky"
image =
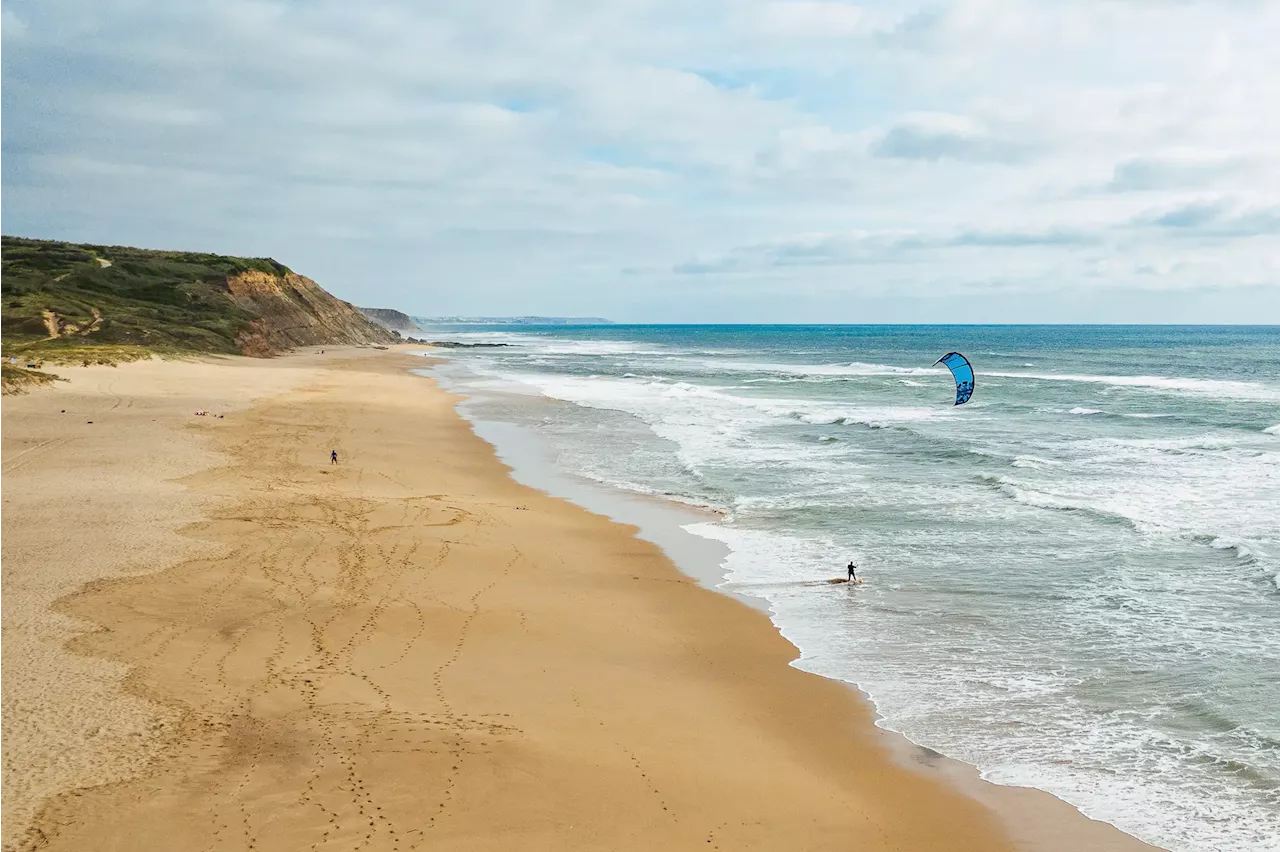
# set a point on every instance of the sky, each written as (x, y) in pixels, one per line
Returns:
(655, 161)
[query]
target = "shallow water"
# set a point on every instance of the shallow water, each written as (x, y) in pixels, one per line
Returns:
(1073, 582)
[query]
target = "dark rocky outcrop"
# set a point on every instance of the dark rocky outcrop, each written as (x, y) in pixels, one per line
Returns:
(453, 344)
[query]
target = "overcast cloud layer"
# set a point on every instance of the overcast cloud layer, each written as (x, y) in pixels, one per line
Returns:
(973, 161)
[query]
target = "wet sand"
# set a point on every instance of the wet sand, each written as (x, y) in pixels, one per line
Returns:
(406, 650)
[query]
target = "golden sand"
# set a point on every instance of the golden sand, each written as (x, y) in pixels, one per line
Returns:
(403, 651)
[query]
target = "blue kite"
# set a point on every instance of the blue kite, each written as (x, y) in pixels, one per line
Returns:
(962, 370)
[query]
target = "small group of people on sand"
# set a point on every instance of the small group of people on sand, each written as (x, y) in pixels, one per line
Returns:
(208, 414)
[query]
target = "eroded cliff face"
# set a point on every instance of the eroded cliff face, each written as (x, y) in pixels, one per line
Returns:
(292, 310)
(392, 319)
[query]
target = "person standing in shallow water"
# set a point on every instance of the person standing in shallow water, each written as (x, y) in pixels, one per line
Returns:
(853, 576)
(333, 457)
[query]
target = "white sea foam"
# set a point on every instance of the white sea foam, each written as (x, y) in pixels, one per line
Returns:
(1131, 415)
(854, 645)
(661, 403)
(875, 417)
(1108, 447)
(1254, 391)
(1034, 462)
(597, 347)
(854, 368)
(1272, 430)
(1226, 389)
(1024, 493)
(1240, 548)
(542, 345)
(649, 491)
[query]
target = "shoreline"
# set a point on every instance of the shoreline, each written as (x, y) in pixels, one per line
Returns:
(412, 645)
(1038, 820)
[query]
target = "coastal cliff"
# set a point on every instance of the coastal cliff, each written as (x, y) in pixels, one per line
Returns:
(292, 310)
(82, 302)
(391, 319)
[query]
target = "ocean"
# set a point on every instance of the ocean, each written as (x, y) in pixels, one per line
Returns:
(1071, 583)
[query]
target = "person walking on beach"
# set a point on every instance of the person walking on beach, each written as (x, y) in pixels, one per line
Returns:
(853, 576)
(333, 457)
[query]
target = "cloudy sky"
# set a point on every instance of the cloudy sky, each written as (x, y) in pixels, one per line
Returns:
(646, 160)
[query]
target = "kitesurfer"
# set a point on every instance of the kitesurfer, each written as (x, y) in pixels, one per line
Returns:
(962, 371)
(853, 577)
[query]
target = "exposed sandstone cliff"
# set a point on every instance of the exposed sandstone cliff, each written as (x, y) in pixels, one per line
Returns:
(292, 310)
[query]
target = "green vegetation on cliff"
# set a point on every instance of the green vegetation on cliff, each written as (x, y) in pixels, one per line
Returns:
(87, 295)
(67, 302)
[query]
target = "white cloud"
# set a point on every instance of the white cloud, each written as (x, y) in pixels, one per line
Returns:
(813, 19)
(937, 136)
(857, 248)
(1216, 218)
(1190, 170)
(541, 157)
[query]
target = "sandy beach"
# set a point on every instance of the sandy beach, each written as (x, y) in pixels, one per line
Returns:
(216, 639)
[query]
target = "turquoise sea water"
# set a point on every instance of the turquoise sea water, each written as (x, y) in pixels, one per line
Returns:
(1072, 582)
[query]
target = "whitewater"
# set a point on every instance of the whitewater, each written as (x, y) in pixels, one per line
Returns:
(1072, 582)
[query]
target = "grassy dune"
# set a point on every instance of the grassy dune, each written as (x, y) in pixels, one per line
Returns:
(16, 379)
(61, 300)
